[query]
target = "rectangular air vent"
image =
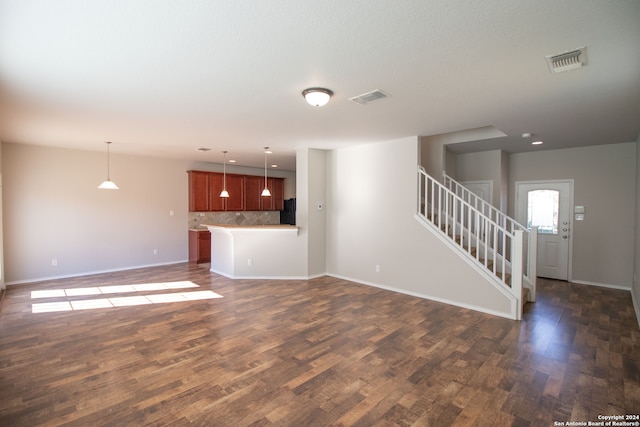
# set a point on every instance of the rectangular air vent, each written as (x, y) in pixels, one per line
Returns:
(567, 61)
(368, 97)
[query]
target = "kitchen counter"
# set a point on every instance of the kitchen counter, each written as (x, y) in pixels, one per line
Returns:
(253, 227)
(270, 251)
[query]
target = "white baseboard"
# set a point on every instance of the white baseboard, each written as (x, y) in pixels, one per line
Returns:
(89, 273)
(602, 285)
(228, 276)
(636, 306)
(428, 297)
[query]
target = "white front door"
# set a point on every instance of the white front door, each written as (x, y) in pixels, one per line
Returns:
(548, 205)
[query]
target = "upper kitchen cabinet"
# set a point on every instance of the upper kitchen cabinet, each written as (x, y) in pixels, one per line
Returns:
(276, 201)
(255, 201)
(235, 187)
(198, 191)
(253, 186)
(244, 192)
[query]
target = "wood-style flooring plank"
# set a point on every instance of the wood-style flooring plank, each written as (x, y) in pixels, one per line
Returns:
(320, 352)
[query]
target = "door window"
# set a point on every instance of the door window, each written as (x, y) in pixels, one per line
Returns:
(542, 210)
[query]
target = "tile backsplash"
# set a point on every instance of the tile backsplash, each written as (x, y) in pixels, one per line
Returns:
(196, 219)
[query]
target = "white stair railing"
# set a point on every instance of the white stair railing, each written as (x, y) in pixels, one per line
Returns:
(502, 219)
(501, 248)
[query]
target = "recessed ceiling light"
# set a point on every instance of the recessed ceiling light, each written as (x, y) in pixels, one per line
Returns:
(537, 143)
(526, 135)
(203, 149)
(232, 161)
(274, 166)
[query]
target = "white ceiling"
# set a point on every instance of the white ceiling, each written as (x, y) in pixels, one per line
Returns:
(162, 78)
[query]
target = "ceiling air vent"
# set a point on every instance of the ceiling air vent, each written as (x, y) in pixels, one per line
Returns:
(368, 97)
(567, 61)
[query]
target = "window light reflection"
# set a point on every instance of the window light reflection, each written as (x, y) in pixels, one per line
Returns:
(87, 304)
(115, 289)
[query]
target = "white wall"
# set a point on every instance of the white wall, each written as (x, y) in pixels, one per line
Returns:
(53, 210)
(481, 166)
(635, 291)
(316, 208)
(371, 206)
(2, 281)
(605, 184)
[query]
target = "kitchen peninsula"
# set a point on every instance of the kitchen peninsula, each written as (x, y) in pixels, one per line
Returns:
(257, 251)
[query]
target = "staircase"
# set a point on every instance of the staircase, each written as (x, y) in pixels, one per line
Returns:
(496, 245)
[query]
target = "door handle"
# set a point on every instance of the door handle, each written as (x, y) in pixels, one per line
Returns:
(565, 237)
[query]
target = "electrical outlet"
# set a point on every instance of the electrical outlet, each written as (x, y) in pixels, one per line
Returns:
(250, 261)
(155, 252)
(377, 268)
(54, 261)
(171, 212)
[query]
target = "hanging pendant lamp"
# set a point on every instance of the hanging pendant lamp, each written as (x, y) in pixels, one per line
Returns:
(224, 192)
(265, 192)
(108, 184)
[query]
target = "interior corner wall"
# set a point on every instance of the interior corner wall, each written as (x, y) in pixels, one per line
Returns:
(2, 281)
(481, 166)
(503, 192)
(311, 192)
(432, 154)
(635, 290)
(371, 221)
(605, 184)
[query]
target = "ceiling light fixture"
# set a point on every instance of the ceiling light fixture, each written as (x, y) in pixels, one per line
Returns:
(108, 184)
(529, 135)
(265, 192)
(317, 96)
(224, 192)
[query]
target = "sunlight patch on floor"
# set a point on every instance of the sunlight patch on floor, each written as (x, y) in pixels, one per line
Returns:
(115, 289)
(88, 304)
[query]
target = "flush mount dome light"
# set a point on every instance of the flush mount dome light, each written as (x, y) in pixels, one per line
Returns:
(317, 96)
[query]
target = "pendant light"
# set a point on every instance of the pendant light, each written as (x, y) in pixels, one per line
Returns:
(265, 192)
(224, 192)
(108, 184)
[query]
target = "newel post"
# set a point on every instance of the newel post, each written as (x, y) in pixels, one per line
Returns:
(532, 262)
(517, 270)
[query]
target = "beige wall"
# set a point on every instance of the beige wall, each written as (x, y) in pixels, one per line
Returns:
(605, 184)
(53, 210)
(316, 194)
(636, 272)
(482, 166)
(371, 221)
(2, 281)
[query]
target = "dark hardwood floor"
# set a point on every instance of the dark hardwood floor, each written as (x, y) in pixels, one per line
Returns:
(321, 352)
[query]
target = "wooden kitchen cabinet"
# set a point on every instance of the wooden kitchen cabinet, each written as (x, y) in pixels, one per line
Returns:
(199, 246)
(276, 201)
(253, 186)
(244, 192)
(235, 187)
(255, 201)
(198, 191)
